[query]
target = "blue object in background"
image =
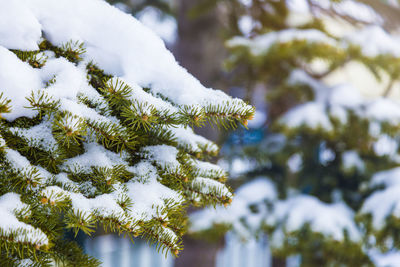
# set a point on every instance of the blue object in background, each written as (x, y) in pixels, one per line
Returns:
(243, 137)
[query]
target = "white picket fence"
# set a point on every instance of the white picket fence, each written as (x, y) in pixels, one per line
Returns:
(254, 253)
(116, 251)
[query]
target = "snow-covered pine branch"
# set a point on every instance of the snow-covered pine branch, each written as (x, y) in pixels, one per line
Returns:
(96, 130)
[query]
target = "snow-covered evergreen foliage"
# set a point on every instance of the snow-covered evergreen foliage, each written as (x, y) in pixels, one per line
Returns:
(322, 183)
(96, 122)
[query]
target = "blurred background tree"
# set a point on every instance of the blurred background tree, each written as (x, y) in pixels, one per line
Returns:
(329, 72)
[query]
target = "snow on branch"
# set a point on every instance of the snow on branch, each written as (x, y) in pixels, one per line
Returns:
(95, 129)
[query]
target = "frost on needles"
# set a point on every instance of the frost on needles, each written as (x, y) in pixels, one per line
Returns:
(96, 131)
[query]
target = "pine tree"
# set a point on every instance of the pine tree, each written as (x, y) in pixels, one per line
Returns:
(323, 183)
(96, 131)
